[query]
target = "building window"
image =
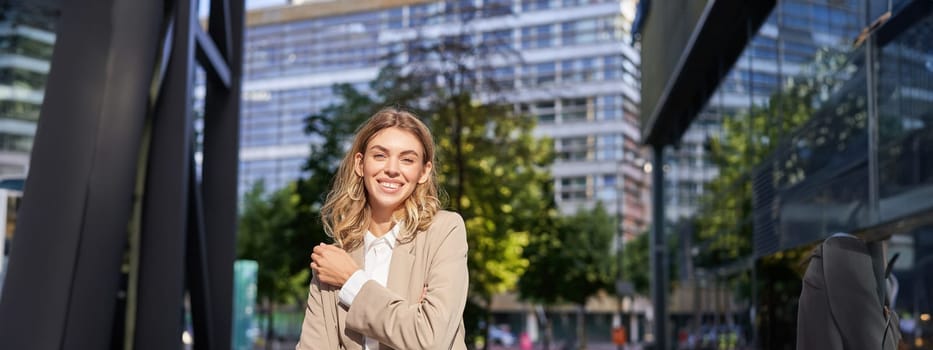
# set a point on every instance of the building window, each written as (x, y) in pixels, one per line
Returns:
(609, 147)
(575, 109)
(537, 37)
(499, 41)
(539, 74)
(535, 5)
(579, 32)
(544, 111)
(573, 148)
(573, 188)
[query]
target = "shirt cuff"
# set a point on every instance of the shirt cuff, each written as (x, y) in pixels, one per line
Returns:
(352, 287)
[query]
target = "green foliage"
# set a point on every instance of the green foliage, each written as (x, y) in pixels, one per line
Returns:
(636, 260)
(545, 262)
(573, 261)
(267, 235)
(586, 239)
(334, 126)
(495, 171)
(636, 263)
(724, 224)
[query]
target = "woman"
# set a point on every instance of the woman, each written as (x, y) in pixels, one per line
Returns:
(396, 276)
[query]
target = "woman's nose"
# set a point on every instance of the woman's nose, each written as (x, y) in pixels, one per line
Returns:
(391, 168)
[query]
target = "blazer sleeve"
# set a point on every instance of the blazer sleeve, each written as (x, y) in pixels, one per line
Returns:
(431, 324)
(313, 329)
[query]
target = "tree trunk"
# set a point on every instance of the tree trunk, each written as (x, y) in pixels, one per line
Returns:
(548, 330)
(270, 333)
(581, 329)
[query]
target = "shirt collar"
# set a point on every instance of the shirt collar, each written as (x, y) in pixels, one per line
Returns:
(390, 237)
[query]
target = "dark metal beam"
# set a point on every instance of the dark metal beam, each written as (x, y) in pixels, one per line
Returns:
(221, 163)
(164, 221)
(196, 276)
(97, 105)
(210, 57)
(904, 19)
(658, 247)
(721, 35)
(64, 274)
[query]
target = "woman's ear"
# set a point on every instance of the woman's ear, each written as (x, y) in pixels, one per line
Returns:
(358, 164)
(426, 172)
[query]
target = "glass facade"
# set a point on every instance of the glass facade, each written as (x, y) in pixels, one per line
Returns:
(798, 38)
(862, 162)
(833, 129)
(569, 63)
(905, 122)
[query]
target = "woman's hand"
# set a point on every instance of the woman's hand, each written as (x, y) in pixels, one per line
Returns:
(332, 265)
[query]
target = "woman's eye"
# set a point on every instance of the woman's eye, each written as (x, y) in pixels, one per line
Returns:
(408, 161)
(379, 156)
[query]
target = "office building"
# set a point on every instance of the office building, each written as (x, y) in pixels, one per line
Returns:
(27, 37)
(577, 73)
(785, 45)
(859, 76)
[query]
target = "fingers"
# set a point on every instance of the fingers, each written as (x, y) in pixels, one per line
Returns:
(318, 252)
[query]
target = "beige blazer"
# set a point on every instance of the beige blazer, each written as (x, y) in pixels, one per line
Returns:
(436, 258)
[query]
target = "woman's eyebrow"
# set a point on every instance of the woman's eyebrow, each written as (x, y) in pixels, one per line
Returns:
(378, 148)
(386, 150)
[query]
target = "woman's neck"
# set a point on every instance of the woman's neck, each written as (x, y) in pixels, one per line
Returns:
(379, 225)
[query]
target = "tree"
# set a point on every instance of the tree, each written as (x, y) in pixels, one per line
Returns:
(538, 283)
(266, 234)
(586, 240)
(571, 262)
(636, 260)
(496, 180)
(333, 129)
(636, 265)
(488, 159)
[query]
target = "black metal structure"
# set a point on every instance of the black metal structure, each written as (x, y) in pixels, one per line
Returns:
(714, 45)
(66, 278)
(658, 246)
(686, 73)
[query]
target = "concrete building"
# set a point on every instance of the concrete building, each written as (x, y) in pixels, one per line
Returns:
(27, 37)
(577, 73)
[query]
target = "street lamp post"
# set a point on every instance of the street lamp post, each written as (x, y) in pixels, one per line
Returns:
(620, 226)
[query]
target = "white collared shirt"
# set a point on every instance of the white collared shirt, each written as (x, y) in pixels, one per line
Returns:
(376, 260)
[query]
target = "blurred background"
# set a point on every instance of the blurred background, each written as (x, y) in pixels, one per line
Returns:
(633, 174)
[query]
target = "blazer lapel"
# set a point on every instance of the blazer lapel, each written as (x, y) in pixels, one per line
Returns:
(400, 268)
(352, 340)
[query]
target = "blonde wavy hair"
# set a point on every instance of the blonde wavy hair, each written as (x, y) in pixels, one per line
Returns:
(346, 212)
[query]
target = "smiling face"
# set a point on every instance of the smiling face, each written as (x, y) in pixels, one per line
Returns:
(391, 166)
